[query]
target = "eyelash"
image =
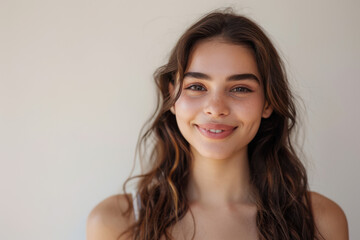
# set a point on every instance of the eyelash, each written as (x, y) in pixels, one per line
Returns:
(195, 87)
(243, 89)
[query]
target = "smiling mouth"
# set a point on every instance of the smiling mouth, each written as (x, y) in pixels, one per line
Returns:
(215, 131)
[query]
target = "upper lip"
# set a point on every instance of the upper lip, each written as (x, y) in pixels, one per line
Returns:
(215, 126)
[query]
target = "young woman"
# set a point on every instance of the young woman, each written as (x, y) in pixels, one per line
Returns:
(223, 165)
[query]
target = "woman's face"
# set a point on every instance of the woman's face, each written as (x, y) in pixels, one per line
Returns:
(222, 100)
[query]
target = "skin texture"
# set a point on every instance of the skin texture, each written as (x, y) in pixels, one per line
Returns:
(219, 190)
(220, 171)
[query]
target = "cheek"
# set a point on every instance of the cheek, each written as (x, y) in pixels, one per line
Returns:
(250, 108)
(186, 111)
(249, 112)
(186, 106)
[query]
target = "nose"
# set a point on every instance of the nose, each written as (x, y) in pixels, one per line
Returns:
(216, 106)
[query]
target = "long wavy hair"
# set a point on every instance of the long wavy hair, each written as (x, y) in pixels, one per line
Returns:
(278, 176)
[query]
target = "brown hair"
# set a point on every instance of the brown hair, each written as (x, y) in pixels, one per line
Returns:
(279, 177)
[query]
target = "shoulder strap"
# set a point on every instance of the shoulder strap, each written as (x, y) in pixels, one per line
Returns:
(136, 204)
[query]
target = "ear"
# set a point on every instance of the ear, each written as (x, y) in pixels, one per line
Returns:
(171, 91)
(268, 109)
(172, 109)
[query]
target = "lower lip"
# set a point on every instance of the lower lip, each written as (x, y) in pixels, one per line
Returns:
(213, 135)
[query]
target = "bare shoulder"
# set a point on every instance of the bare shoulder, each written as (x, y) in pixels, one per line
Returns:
(330, 219)
(107, 220)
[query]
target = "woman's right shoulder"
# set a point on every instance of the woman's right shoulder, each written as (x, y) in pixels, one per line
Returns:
(108, 219)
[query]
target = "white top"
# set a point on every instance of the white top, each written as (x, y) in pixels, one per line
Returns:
(136, 204)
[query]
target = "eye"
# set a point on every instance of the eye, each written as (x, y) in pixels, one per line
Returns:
(241, 90)
(196, 87)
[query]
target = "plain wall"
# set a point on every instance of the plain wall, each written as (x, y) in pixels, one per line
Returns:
(76, 86)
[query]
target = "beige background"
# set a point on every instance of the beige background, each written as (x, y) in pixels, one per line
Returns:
(75, 88)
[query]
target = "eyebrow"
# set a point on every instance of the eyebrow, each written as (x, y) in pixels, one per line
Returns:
(235, 77)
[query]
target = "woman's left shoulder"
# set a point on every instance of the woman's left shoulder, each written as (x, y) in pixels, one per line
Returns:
(330, 219)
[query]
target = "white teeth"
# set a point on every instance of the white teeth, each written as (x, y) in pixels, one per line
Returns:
(215, 130)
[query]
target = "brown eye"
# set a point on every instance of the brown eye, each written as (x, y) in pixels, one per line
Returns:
(196, 87)
(241, 90)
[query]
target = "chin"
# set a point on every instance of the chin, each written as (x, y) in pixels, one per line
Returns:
(215, 153)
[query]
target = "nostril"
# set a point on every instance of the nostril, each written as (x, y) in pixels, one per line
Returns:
(213, 113)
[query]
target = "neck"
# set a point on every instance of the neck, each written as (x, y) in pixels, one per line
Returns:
(217, 182)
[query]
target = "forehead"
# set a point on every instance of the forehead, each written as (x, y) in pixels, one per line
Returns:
(216, 58)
